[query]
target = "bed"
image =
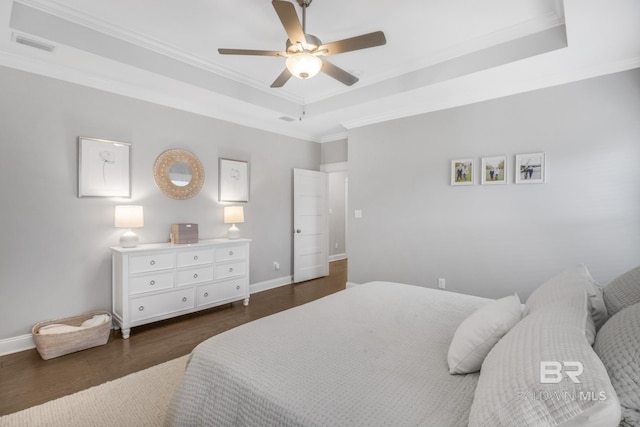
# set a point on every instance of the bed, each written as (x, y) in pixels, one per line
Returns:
(377, 354)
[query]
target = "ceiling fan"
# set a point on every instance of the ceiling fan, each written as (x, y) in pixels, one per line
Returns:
(305, 52)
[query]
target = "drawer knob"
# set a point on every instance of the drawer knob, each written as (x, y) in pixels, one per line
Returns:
(195, 257)
(153, 282)
(195, 276)
(141, 308)
(206, 294)
(152, 262)
(230, 253)
(238, 287)
(230, 269)
(184, 299)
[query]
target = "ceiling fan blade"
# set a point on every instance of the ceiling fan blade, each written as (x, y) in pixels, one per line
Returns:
(287, 13)
(282, 79)
(355, 43)
(250, 52)
(338, 73)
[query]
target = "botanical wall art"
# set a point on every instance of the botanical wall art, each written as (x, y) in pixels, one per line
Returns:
(462, 172)
(233, 180)
(103, 168)
(494, 170)
(530, 168)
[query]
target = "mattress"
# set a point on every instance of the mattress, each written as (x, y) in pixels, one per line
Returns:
(371, 355)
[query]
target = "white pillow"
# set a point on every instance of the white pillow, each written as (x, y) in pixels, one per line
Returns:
(478, 333)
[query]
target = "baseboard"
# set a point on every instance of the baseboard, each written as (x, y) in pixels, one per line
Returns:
(337, 257)
(25, 342)
(270, 284)
(16, 344)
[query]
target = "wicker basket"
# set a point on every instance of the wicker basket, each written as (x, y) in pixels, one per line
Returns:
(54, 345)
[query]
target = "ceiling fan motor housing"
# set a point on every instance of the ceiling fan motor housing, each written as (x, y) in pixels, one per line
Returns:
(312, 45)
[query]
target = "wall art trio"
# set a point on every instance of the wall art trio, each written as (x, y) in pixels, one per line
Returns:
(529, 169)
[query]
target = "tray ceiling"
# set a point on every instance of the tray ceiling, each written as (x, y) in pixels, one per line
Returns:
(438, 54)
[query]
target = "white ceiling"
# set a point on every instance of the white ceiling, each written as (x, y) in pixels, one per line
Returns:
(439, 54)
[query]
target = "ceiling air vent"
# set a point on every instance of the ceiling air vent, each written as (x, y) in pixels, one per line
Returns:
(288, 119)
(18, 38)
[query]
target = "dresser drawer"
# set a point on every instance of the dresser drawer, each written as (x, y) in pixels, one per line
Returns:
(161, 304)
(162, 280)
(195, 257)
(194, 275)
(151, 282)
(231, 253)
(228, 270)
(212, 293)
(154, 262)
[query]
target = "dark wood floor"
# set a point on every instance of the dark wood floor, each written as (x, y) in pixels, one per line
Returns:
(27, 380)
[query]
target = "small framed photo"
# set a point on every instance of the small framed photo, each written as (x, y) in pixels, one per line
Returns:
(233, 180)
(462, 172)
(530, 168)
(103, 168)
(494, 170)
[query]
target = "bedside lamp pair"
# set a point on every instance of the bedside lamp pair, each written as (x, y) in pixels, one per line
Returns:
(130, 216)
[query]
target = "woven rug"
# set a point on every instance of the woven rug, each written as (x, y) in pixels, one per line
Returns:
(139, 399)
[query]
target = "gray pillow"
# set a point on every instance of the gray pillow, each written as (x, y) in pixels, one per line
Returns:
(623, 291)
(618, 346)
(511, 391)
(569, 285)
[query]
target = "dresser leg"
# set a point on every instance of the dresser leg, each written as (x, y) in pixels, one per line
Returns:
(125, 333)
(245, 302)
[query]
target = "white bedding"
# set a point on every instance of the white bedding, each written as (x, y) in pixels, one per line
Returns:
(374, 354)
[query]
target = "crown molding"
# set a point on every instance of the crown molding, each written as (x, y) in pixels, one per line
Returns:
(46, 68)
(334, 137)
(541, 83)
(544, 23)
(61, 11)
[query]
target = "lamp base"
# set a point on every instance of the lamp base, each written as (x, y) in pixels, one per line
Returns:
(233, 232)
(129, 239)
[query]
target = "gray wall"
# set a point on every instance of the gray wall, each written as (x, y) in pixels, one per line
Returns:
(334, 156)
(338, 214)
(494, 240)
(54, 257)
(334, 152)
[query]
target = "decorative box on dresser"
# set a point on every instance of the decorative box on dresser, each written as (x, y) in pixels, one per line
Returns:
(159, 281)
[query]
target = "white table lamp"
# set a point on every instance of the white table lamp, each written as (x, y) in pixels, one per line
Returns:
(233, 215)
(129, 217)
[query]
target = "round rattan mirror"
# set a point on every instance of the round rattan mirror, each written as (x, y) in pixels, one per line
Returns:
(179, 174)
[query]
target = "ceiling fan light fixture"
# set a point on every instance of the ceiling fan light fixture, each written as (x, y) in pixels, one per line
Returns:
(304, 65)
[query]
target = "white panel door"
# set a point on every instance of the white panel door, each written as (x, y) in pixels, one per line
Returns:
(310, 225)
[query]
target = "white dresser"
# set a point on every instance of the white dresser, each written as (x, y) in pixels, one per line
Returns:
(158, 281)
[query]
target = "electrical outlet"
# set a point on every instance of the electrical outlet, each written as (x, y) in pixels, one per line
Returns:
(336, 246)
(276, 265)
(441, 283)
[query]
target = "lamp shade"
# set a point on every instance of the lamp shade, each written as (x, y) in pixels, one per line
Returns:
(304, 65)
(129, 217)
(233, 214)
